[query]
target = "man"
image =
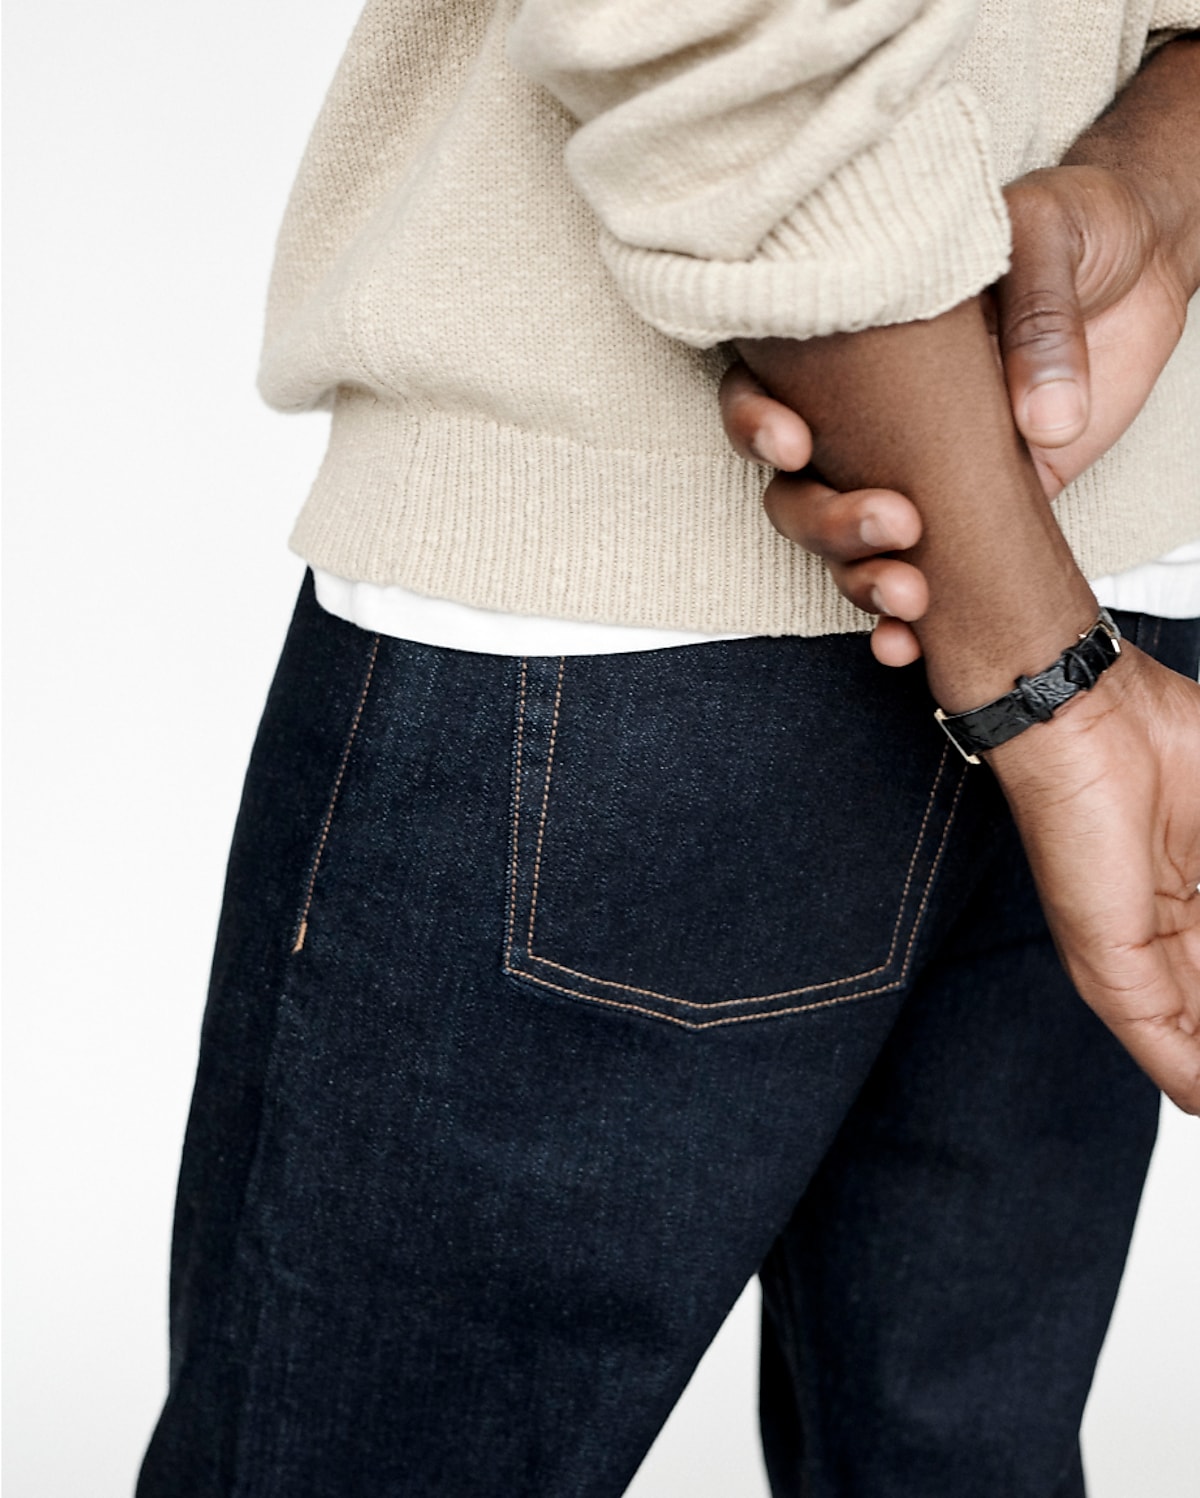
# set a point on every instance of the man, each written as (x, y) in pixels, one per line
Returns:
(564, 978)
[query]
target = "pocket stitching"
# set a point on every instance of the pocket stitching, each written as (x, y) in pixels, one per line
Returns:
(302, 926)
(516, 819)
(707, 1007)
(537, 862)
(737, 1019)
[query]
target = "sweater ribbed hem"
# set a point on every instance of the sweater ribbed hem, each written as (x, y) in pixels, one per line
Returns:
(464, 508)
(905, 230)
(503, 518)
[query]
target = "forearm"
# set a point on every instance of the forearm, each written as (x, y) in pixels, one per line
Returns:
(1104, 797)
(922, 408)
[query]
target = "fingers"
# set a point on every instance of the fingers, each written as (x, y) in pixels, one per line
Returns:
(883, 585)
(853, 532)
(894, 643)
(850, 531)
(1039, 322)
(759, 427)
(840, 527)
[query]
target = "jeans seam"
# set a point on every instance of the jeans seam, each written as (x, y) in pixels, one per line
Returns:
(302, 924)
(737, 1019)
(515, 829)
(784, 993)
(709, 1007)
(537, 862)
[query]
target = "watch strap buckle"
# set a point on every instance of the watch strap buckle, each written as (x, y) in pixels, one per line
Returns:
(948, 730)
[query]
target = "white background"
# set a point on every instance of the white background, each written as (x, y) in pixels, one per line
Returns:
(151, 148)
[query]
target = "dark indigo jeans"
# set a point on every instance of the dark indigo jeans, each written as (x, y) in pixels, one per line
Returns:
(553, 999)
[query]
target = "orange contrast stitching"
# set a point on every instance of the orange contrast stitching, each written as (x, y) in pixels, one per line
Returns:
(537, 862)
(738, 1019)
(302, 929)
(933, 868)
(762, 998)
(516, 823)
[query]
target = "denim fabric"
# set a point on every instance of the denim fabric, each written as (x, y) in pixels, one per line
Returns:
(553, 999)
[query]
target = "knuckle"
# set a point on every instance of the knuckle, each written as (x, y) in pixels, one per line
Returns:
(779, 504)
(1041, 208)
(733, 396)
(1038, 320)
(734, 376)
(799, 514)
(851, 584)
(1035, 197)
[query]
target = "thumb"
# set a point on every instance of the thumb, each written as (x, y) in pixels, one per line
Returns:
(1040, 328)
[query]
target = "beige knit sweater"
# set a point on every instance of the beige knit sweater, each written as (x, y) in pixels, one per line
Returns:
(523, 229)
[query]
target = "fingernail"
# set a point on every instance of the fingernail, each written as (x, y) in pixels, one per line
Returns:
(872, 533)
(1054, 406)
(877, 603)
(763, 446)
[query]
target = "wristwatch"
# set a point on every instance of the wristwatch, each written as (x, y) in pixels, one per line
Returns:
(1035, 699)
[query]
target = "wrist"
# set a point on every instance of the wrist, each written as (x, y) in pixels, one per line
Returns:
(1035, 699)
(977, 640)
(1032, 759)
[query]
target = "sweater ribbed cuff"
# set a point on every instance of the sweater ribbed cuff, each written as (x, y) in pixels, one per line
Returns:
(905, 230)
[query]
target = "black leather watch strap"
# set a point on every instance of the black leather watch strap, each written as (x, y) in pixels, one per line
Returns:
(1035, 699)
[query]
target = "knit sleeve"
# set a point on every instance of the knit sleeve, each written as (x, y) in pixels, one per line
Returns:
(1175, 15)
(774, 167)
(1170, 19)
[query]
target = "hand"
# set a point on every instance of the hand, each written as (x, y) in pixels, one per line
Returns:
(1089, 313)
(1107, 799)
(1084, 322)
(853, 532)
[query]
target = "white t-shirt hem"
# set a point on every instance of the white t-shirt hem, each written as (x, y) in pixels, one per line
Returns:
(1168, 587)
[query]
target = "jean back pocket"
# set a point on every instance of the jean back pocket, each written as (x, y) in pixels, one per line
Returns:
(724, 832)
